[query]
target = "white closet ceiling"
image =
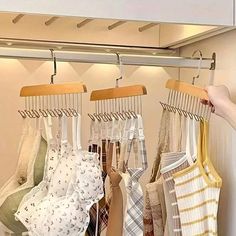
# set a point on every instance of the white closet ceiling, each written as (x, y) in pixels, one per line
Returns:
(56, 32)
(80, 30)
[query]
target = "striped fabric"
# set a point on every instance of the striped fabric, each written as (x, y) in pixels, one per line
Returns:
(197, 190)
(172, 206)
(198, 202)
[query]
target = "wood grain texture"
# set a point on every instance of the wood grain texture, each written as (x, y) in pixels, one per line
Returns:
(53, 89)
(121, 92)
(187, 88)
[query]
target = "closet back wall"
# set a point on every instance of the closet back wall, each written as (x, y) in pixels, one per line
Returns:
(17, 73)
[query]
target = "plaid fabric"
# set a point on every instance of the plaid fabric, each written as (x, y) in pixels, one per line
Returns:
(102, 219)
(134, 216)
(103, 204)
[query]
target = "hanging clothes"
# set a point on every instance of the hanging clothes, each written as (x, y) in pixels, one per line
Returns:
(154, 215)
(115, 198)
(171, 138)
(133, 222)
(59, 182)
(29, 173)
(155, 196)
(163, 143)
(31, 200)
(177, 163)
(11, 204)
(27, 152)
(175, 132)
(99, 218)
(69, 214)
(197, 189)
(115, 220)
(174, 162)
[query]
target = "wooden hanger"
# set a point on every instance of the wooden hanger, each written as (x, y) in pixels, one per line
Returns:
(53, 89)
(33, 108)
(120, 92)
(187, 88)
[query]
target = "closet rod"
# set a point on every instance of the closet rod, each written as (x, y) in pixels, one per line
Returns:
(78, 46)
(106, 58)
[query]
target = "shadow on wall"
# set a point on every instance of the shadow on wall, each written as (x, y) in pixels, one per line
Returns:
(31, 66)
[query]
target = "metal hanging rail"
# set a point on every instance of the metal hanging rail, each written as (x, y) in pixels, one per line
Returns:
(107, 58)
(78, 46)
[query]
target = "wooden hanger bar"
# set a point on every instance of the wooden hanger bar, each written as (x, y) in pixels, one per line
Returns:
(187, 88)
(53, 89)
(121, 92)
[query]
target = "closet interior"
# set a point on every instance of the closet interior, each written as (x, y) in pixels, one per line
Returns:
(102, 135)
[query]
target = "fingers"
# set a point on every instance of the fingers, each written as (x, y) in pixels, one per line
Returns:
(208, 103)
(213, 109)
(204, 102)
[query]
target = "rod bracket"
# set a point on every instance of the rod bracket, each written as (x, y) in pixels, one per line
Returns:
(213, 64)
(54, 66)
(120, 67)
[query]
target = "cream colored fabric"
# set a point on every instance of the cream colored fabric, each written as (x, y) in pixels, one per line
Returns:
(11, 204)
(175, 132)
(163, 143)
(31, 199)
(171, 138)
(156, 197)
(27, 153)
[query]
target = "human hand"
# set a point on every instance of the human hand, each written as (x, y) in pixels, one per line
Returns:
(219, 99)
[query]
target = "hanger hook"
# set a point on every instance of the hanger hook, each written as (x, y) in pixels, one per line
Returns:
(54, 66)
(199, 65)
(120, 67)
